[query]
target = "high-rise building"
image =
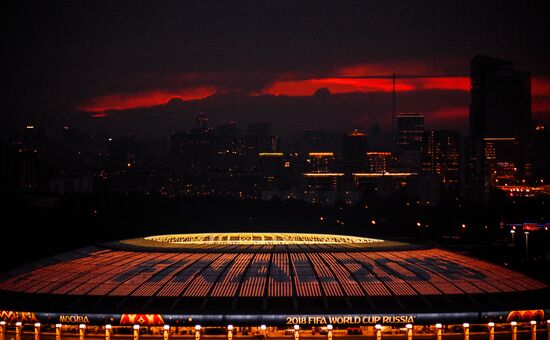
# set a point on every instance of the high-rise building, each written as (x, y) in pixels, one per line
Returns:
(541, 153)
(410, 127)
(378, 161)
(441, 156)
(320, 162)
(500, 99)
(500, 121)
(354, 150)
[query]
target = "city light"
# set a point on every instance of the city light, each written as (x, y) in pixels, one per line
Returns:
(166, 327)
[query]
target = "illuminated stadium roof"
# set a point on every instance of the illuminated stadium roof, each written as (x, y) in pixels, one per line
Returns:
(260, 239)
(259, 274)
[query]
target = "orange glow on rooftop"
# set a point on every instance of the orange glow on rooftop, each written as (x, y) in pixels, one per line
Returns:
(391, 174)
(270, 154)
(321, 154)
(378, 153)
(323, 174)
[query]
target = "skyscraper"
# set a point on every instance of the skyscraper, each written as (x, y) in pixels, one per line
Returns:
(354, 151)
(500, 99)
(441, 156)
(500, 120)
(410, 127)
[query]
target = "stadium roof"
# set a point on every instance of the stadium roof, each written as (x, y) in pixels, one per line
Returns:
(258, 274)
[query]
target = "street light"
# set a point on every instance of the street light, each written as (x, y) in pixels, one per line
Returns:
(166, 332)
(409, 331)
(466, 327)
(513, 233)
(438, 327)
(2, 330)
(136, 332)
(526, 246)
(491, 330)
(82, 331)
(197, 332)
(229, 332)
(378, 331)
(514, 325)
(533, 329)
(37, 331)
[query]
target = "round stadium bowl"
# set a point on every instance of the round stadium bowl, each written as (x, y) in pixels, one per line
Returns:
(274, 279)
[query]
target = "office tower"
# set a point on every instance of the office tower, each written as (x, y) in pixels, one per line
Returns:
(410, 127)
(320, 162)
(500, 121)
(441, 156)
(354, 150)
(378, 161)
(500, 99)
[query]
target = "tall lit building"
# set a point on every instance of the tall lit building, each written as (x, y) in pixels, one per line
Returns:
(441, 155)
(500, 121)
(410, 127)
(378, 161)
(541, 153)
(320, 162)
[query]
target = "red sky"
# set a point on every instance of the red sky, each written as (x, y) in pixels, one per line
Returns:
(100, 105)
(293, 85)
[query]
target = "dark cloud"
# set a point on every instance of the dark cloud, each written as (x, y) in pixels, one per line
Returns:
(332, 112)
(60, 54)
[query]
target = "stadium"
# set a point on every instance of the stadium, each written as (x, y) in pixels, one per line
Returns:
(273, 281)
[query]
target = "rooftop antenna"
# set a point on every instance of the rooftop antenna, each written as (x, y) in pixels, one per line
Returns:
(393, 108)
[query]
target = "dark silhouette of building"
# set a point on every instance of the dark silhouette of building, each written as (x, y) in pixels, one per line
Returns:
(500, 121)
(500, 99)
(354, 151)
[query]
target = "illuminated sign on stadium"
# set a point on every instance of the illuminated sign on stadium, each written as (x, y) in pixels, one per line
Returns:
(349, 319)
